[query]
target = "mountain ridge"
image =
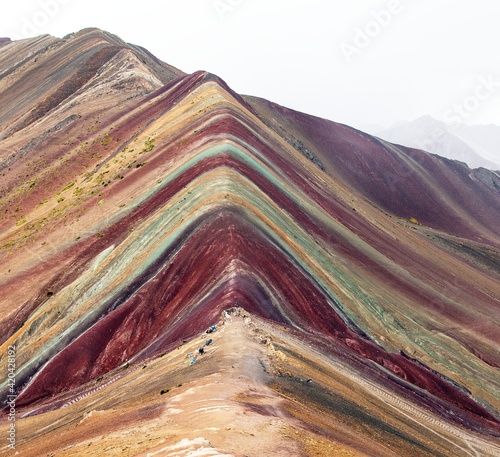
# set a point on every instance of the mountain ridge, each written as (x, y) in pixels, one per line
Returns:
(159, 205)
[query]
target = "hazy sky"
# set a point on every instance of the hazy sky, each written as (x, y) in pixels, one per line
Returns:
(358, 62)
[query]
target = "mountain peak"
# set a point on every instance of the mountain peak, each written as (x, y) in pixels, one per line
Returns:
(459, 142)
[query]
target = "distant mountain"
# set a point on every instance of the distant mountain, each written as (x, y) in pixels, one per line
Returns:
(477, 146)
(188, 271)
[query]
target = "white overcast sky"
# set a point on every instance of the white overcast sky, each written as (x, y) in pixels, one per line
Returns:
(359, 62)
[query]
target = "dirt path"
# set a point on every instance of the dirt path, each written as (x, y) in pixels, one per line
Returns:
(229, 412)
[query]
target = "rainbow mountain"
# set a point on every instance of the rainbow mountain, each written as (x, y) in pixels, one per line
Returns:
(185, 269)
